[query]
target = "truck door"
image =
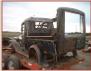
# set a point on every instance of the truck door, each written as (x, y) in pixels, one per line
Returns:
(71, 29)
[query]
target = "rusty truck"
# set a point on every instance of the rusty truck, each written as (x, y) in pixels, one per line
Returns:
(42, 43)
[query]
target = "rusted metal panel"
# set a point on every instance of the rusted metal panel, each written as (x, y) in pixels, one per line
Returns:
(71, 10)
(38, 19)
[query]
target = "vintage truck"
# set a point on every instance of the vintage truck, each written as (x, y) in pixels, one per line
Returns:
(42, 43)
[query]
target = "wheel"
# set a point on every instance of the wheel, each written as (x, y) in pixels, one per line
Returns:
(34, 54)
(12, 63)
(37, 56)
(74, 53)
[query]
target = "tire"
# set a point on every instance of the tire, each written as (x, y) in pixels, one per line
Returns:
(35, 52)
(12, 63)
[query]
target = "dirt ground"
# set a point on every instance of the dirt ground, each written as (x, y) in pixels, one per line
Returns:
(81, 62)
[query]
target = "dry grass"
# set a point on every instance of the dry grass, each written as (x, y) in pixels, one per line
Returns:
(10, 34)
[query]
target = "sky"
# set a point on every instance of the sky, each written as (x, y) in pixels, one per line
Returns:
(14, 13)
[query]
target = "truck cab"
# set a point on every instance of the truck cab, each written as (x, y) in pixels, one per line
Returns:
(55, 41)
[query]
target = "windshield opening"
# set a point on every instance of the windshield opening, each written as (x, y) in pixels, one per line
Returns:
(73, 23)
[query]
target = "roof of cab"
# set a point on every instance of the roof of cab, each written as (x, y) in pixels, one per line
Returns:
(38, 19)
(71, 10)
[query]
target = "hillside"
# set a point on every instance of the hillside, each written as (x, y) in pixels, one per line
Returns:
(10, 34)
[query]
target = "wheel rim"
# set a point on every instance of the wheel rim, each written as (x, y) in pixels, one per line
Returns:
(33, 56)
(36, 53)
